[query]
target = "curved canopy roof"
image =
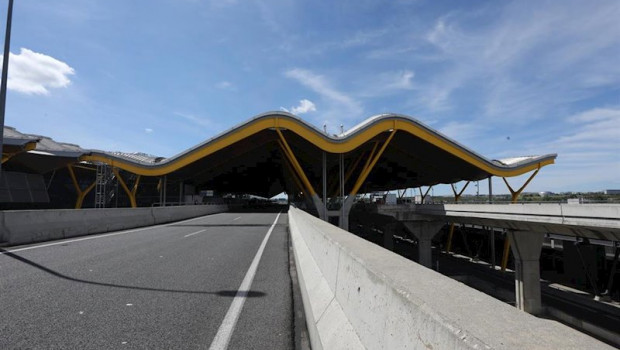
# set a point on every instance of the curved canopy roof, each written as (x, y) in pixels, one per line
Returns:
(249, 157)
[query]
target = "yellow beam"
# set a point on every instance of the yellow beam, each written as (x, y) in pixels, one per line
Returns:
(80, 194)
(506, 253)
(370, 165)
(515, 194)
(425, 194)
(291, 157)
(135, 186)
(319, 140)
(450, 234)
(370, 157)
(333, 188)
(457, 196)
(131, 194)
(296, 180)
(80, 200)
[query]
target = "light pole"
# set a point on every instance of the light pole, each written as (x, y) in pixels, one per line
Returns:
(5, 72)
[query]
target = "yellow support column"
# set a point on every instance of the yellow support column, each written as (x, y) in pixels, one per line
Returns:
(514, 198)
(457, 196)
(288, 152)
(296, 180)
(311, 193)
(450, 234)
(295, 165)
(81, 194)
(515, 194)
(130, 193)
(370, 164)
(423, 195)
(333, 189)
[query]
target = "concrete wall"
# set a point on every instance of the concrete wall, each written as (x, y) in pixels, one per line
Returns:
(30, 226)
(358, 295)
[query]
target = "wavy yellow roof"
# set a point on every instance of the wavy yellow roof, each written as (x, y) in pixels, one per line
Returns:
(347, 142)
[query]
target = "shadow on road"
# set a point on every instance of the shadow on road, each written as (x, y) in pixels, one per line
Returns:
(221, 293)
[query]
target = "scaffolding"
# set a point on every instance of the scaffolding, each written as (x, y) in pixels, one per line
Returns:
(104, 185)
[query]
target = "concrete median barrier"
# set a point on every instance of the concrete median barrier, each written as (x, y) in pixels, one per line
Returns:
(30, 226)
(358, 295)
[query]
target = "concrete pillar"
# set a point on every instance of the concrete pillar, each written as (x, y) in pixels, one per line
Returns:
(424, 231)
(526, 247)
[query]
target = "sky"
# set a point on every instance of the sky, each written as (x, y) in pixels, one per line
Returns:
(503, 78)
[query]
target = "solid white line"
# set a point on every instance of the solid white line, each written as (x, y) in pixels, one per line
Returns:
(237, 218)
(222, 338)
(102, 235)
(193, 233)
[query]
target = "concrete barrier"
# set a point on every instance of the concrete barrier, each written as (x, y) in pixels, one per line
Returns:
(30, 226)
(358, 295)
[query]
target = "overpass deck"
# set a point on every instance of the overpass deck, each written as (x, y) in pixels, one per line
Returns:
(166, 286)
(596, 221)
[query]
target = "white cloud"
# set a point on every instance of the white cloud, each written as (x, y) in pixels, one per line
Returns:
(225, 85)
(337, 107)
(597, 129)
(463, 131)
(587, 154)
(387, 83)
(34, 73)
(196, 120)
(148, 130)
(304, 106)
(522, 65)
(404, 80)
(321, 86)
(221, 3)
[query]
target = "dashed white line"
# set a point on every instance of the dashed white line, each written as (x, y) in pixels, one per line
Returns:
(193, 233)
(222, 338)
(237, 218)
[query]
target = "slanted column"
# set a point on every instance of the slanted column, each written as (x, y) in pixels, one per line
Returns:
(320, 206)
(526, 248)
(344, 212)
(424, 231)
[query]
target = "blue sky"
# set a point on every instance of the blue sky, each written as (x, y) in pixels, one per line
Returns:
(504, 78)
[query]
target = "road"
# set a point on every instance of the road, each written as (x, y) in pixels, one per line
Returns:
(162, 287)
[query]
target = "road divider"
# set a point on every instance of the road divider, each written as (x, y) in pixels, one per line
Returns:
(357, 295)
(31, 226)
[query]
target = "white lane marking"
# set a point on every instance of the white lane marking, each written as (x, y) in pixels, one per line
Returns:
(237, 218)
(193, 233)
(102, 235)
(222, 338)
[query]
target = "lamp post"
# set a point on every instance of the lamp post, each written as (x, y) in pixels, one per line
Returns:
(5, 71)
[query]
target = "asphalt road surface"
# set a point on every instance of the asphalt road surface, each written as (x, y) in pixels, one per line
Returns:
(174, 286)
